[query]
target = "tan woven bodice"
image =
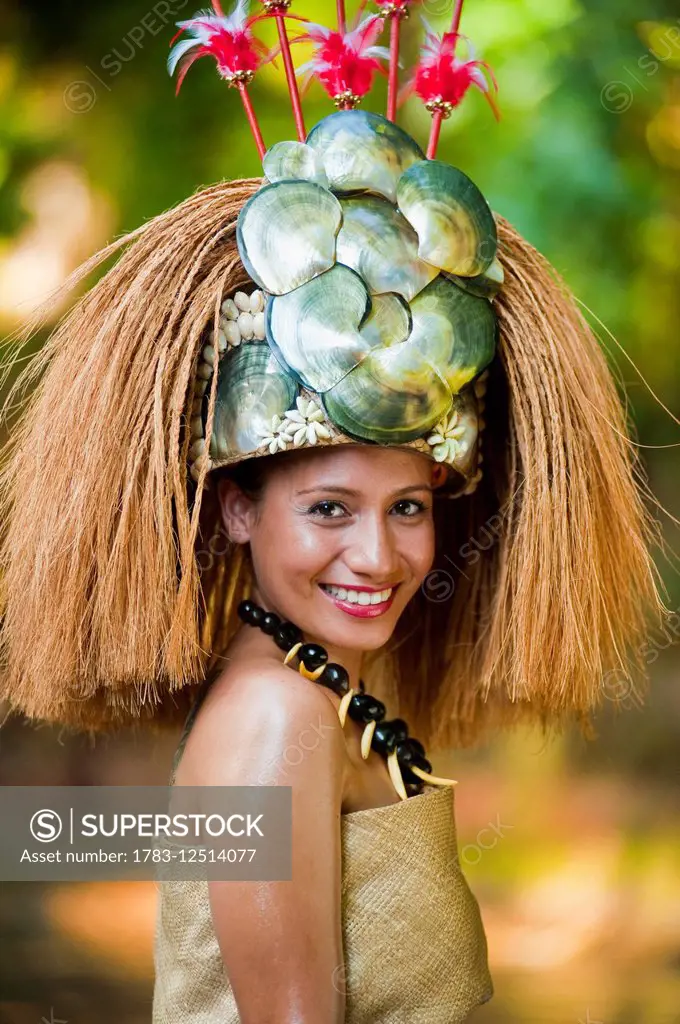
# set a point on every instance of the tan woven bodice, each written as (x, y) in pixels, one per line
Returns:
(414, 944)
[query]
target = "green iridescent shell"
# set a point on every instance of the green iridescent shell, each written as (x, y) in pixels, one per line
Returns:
(363, 152)
(454, 330)
(397, 392)
(380, 244)
(389, 321)
(294, 160)
(252, 388)
(377, 301)
(286, 234)
(392, 396)
(454, 223)
(315, 330)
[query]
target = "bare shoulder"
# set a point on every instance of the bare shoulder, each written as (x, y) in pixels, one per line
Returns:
(263, 724)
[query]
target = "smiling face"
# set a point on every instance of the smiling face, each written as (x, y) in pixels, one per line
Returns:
(341, 538)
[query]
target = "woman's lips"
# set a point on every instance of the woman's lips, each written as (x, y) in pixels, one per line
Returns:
(361, 611)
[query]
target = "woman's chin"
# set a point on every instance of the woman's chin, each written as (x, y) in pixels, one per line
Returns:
(342, 625)
(358, 633)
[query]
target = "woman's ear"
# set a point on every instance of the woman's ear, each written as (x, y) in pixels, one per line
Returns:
(237, 510)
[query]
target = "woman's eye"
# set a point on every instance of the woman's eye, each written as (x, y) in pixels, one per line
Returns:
(327, 509)
(409, 507)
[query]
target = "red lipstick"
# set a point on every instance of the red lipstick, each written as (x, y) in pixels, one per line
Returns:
(362, 611)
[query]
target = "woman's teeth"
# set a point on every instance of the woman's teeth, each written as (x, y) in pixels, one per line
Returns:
(358, 596)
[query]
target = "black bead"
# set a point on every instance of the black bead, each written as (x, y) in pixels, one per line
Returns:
(384, 738)
(287, 635)
(270, 623)
(313, 656)
(244, 608)
(364, 708)
(423, 764)
(251, 613)
(417, 745)
(335, 677)
(400, 729)
(407, 756)
(405, 753)
(409, 753)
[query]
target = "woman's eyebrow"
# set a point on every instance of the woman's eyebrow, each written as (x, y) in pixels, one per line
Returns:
(328, 487)
(339, 489)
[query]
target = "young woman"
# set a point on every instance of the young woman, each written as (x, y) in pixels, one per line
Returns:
(230, 502)
(326, 531)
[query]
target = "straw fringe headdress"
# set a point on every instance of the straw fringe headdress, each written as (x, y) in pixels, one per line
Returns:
(119, 588)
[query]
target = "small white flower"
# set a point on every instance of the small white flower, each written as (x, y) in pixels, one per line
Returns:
(302, 425)
(445, 438)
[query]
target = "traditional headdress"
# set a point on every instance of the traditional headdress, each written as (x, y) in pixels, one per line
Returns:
(363, 292)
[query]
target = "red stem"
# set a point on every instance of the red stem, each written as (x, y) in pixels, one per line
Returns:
(342, 24)
(290, 76)
(437, 118)
(395, 25)
(457, 11)
(252, 119)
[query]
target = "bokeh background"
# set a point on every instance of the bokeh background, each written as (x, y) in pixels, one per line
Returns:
(572, 848)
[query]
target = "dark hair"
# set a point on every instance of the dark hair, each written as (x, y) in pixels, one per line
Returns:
(250, 474)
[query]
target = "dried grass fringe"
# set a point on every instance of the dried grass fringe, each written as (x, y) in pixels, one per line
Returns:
(118, 595)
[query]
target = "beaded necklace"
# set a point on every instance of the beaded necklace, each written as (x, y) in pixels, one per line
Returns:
(405, 755)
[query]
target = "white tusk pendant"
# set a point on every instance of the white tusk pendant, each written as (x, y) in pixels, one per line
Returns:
(395, 775)
(344, 704)
(366, 737)
(304, 671)
(434, 780)
(291, 653)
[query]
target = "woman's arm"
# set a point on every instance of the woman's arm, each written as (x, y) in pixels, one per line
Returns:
(282, 941)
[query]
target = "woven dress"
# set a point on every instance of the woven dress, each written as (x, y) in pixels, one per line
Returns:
(414, 944)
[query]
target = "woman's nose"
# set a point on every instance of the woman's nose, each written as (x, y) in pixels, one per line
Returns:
(372, 550)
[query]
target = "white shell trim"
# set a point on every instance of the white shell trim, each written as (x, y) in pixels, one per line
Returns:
(480, 391)
(241, 319)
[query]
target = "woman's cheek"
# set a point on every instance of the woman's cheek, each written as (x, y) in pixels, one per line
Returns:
(425, 549)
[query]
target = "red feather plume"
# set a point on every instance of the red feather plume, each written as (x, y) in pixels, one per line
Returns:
(228, 40)
(441, 78)
(345, 62)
